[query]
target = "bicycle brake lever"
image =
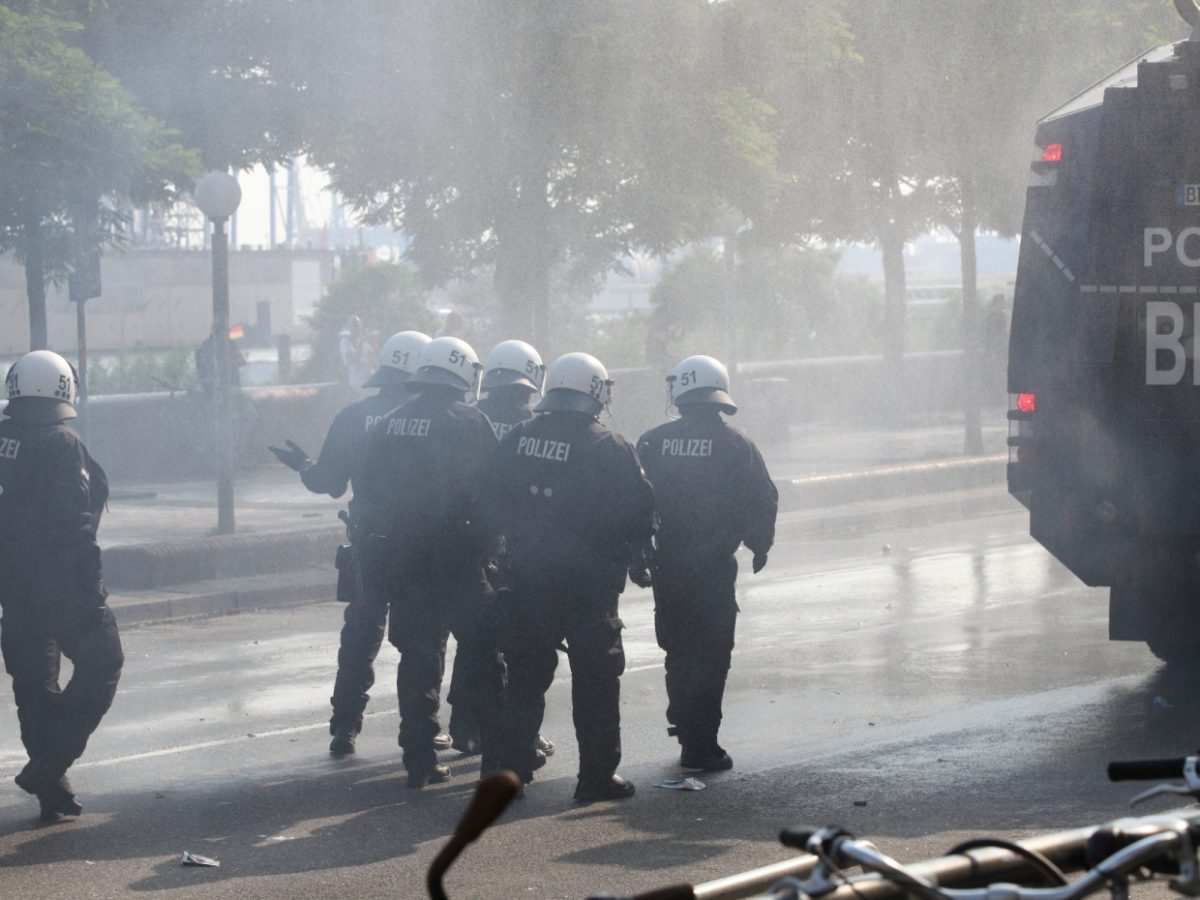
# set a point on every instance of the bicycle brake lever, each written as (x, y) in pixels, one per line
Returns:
(1189, 788)
(1161, 790)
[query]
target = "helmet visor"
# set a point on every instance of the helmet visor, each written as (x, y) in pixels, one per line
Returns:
(495, 378)
(387, 376)
(715, 396)
(568, 400)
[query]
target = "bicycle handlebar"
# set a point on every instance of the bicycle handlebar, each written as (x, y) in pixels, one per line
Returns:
(1146, 769)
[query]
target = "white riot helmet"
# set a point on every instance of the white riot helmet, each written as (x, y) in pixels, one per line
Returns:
(398, 359)
(701, 379)
(42, 388)
(513, 362)
(576, 382)
(449, 361)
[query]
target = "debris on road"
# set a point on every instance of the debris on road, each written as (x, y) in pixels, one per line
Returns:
(195, 859)
(682, 784)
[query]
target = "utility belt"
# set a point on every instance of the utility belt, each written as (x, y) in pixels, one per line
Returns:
(349, 574)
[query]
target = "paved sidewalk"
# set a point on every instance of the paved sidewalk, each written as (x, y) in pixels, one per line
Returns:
(163, 559)
(272, 499)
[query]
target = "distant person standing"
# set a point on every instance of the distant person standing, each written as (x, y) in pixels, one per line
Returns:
(712, 493)
(340, 464)
(453, 326)
(206, 363)
(356, 351)
(570, 499)
(52, 494)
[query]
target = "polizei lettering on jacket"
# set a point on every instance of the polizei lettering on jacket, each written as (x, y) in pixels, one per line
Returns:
(687, 447)
(9, 448)
(404, 427)
(500, 429)
(544, 449)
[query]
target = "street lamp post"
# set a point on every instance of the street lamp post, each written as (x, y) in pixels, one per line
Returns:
(218, 195)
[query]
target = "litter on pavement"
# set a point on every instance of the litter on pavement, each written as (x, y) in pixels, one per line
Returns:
(195, 859)
(682, 784)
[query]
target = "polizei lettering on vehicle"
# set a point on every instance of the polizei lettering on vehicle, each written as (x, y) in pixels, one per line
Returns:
(1165, 327)
(1160, 240)
(544, 449)
(403, 427)
(687, 447)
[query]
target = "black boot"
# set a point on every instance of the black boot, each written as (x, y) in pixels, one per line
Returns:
(711, 758)
(614, 788)
(435, 774)
(55, 794)
(343, 741)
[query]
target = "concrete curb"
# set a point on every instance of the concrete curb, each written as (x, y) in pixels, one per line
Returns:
(223, 598)
(312, 585)
(885, 482)
(155, 566)
(158, 565)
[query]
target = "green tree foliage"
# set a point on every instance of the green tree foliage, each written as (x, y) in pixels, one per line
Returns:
(69, 135)
(789, 304)
(539, 138)
(1001, 66)
(142, 371)
(386, 296)
(202, 67)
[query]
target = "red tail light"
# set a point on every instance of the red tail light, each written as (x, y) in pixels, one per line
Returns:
(1053, 153)
(1027, 403)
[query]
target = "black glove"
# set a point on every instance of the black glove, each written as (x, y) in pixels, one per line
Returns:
(760, 560)
(641, 565)
(293, 457)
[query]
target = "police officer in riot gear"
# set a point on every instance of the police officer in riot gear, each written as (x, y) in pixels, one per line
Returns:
(570, 498)
(712, 493)
(340, 464)
(423, 467)
(52, 494)
(512, 376)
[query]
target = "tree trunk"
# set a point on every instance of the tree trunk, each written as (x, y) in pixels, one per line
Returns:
(524, 260)
(972, 355)
(35, 283)
(891, 244)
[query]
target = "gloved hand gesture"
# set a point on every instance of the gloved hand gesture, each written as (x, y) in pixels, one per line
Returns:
(760, 560)
(641, 565)
(293, 456)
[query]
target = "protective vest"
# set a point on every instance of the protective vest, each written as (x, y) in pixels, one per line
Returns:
(503, 416)
(345, 448)
(711, 488)
(422, 472)
(570, 497)
(52, 494)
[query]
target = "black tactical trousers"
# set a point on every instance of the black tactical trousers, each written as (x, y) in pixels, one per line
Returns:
(695, 615)
(56, 722)
(423, 610)
(534, 621)
(463, 727)
(362, 635)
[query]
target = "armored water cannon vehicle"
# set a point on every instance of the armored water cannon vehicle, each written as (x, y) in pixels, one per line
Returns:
(1104, 350)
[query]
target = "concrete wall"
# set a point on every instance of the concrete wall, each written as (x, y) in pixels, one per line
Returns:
(149, 437)
(163, 298)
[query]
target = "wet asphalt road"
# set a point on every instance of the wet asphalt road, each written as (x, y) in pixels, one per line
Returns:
(959, 683)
